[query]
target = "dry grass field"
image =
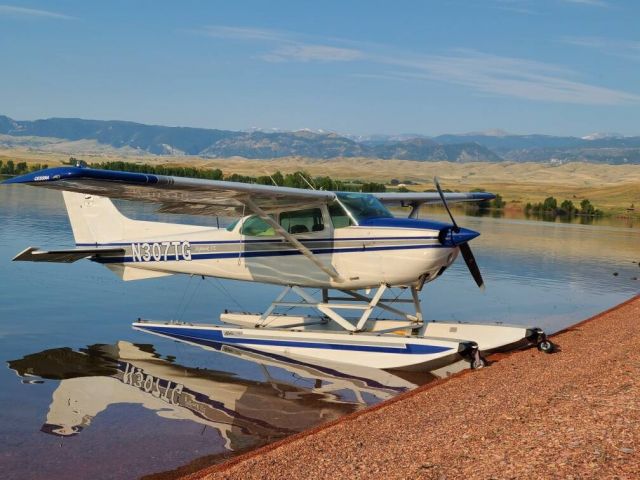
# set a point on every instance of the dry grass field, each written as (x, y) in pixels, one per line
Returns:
(611, 188)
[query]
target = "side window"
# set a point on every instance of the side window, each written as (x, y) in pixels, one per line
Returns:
(339, 218)
(302, 221)
(256, 227)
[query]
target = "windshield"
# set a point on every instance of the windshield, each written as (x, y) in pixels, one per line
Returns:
(363, 206)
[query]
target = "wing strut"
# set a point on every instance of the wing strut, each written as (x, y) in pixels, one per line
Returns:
(328, 269)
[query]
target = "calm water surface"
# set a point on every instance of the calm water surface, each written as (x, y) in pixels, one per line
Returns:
(83, 395)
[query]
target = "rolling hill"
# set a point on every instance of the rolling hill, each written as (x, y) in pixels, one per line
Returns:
(77, 136)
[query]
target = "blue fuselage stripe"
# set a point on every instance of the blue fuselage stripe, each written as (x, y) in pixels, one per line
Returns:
(278, 240)
(213, 338)
(267, 253)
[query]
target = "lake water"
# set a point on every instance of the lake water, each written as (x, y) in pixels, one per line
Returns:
(83, 395)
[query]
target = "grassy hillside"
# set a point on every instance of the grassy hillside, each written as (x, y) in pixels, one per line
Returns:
(611, 188)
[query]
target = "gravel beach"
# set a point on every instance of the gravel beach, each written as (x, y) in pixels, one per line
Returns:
(573, 414)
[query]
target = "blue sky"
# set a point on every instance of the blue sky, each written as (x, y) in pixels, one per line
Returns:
(429, 67)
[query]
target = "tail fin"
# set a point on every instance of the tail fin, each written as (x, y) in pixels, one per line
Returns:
(94, 219)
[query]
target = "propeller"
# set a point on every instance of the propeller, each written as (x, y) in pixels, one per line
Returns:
(465, 249)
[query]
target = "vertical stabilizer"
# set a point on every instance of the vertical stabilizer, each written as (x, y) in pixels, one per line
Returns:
(94, 219)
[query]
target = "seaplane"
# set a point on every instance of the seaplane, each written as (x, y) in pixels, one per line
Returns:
(347, 246)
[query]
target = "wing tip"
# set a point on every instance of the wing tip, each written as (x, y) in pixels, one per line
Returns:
(24, 254)
(485, 195)
(43, 176)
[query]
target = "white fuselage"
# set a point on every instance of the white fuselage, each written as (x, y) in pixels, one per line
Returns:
(363, 256)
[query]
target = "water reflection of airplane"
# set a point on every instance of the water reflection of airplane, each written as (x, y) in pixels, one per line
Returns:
(245, 412)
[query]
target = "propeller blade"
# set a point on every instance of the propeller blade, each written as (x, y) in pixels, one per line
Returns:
(465, 249)
(456, 228)
(470, 260)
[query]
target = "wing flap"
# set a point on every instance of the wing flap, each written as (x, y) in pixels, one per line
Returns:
(34, 254)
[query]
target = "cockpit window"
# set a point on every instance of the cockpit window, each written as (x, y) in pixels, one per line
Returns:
(363, 206)
(302, 221)
(256, 227)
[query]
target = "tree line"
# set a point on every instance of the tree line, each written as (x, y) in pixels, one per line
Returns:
(302, 179)
(567, 208)
(299, 179)
(20, 168)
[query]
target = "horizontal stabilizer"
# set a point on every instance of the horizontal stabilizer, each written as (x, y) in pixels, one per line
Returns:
(33, 254)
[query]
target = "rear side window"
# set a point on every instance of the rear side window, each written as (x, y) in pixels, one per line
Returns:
(302, 221)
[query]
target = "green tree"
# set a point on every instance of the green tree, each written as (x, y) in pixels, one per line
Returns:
(325, 183)
(550, 204)
(235, 177)
(264, 180)
(278, 178)
(567, 207)
(586, 208)
(376, 187)
(297, 180)
(498, 202)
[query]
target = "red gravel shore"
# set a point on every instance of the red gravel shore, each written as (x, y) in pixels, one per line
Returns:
(574, 414)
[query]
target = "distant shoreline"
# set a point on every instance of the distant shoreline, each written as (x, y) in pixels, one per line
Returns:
(611, 188)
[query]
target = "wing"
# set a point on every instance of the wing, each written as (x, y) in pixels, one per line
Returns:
(411, 198)
(175, 194)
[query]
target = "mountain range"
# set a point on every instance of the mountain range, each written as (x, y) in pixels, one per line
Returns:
(74, 135)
